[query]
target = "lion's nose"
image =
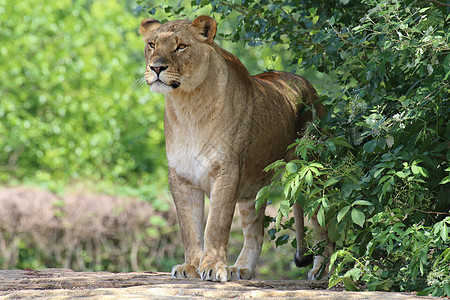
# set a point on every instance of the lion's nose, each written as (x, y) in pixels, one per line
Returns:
(158, 69)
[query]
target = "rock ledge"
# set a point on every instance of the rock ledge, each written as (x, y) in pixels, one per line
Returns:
(67, 284)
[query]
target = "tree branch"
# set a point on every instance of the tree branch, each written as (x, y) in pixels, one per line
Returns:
(423, 211)
(440, 3)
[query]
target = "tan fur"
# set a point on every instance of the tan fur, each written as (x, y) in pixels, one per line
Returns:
(222, 127)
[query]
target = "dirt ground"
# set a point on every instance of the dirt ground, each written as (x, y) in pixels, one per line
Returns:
(67, 284)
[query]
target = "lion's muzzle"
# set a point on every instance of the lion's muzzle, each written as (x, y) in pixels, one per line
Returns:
(158, 69)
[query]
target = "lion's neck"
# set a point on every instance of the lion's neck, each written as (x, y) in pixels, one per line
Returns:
(204, 103)
(191, 109)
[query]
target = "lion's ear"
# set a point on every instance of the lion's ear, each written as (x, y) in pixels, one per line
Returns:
(148, 26)
(206, 27)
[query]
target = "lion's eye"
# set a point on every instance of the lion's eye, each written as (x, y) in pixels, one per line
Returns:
(181, 47)
(151, 45)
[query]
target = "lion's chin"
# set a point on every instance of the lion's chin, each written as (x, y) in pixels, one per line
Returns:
(163, 88)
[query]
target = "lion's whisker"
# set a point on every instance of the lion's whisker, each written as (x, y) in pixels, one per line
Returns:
(139, 83)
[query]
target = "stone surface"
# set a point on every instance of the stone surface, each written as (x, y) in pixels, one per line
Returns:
(67, 284)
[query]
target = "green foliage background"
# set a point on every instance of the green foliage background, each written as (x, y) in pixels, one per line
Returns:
(71, 104)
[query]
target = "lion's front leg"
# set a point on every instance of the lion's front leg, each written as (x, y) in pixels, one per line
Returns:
(189, 201)
(214, 265)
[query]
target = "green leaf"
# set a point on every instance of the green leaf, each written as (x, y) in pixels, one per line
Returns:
(281, 240)
(384, 178)
(362, 202)
(369, 147)
(321, 217)
(287, 191)
(278, 220)
(330, 145)
(333, 258)
(316, 165)
(342, 213)
(378, 172)
(447, 289)
(445, 180)
(334, 281)
(358, 217)
(415, 169)
(347, 189)
(355, 273)
(341, 141)
(315, 170)
(301, 199)
(272, 232)
(291, 168)
(444, 232)
(387, 187)
(303, 172)
(333, 231)
(349, 285)
(284, 208)
(309, 177)
(401, 174)
(275, 165)
(418, 169)
(425, 292)
(315, 191)
(423, 172)
(262, 193)
(446, 63)
(295, 184)
(330, 182)
(304, 153)
(324, 201)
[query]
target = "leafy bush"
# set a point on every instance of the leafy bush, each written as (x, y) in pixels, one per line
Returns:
(71, 108)
(381, 173)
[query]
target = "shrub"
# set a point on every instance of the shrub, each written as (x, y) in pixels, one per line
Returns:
(381, 177)
(71, 108)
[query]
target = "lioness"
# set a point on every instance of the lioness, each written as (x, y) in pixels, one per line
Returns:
(222, 127)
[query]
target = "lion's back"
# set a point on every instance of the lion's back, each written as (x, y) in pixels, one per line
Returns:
(299, 93)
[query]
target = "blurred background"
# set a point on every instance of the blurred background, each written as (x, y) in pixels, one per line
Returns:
(83, 171)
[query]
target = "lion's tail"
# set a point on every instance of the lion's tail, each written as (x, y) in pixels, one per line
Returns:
(300, 259)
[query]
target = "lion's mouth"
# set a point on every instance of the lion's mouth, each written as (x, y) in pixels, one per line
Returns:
(159, 86)
(174, 84)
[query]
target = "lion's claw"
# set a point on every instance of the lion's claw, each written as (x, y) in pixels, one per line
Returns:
(240, 273)
(184, 271)
(213, 271)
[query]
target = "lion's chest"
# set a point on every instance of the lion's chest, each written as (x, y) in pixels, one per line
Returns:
(194, 159)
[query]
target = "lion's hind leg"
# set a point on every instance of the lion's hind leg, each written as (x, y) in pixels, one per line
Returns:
(253, 229)
(320, 234)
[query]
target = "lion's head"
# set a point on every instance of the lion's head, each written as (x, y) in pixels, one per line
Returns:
(177, 52)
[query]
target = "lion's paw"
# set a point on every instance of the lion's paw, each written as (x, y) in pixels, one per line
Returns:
(184, 271)
(240, 273)
(318, 271)
(213, 271)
